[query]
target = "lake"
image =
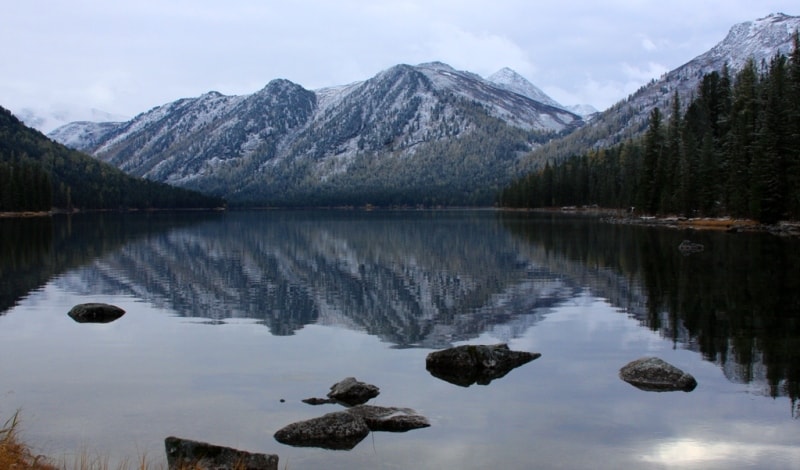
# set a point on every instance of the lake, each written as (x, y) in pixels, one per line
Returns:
(233, 318)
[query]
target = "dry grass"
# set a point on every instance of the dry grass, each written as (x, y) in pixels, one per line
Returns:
(16, 455)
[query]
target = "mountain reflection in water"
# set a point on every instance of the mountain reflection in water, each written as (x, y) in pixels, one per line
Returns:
(233, 318)
(429, 279)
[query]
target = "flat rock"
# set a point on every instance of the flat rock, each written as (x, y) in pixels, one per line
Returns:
(338, 431)
(195, 455)
(655, 375)
(391, 419)
(469, 364)
(318, 401)
(351, 392)
(95, 313)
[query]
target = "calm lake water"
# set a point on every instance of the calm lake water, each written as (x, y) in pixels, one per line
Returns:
(228, 314)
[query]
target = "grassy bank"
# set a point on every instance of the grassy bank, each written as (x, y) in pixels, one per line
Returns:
(17, 455)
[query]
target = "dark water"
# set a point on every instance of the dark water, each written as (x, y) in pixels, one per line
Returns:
(229, 313)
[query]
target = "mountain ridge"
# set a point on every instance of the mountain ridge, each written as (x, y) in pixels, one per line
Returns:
(760, 40)
(286, 140)
(424, 134)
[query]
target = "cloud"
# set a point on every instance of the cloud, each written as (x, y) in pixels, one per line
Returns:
(129, 56)
(482, 52)
(648, 45)
(637, 74)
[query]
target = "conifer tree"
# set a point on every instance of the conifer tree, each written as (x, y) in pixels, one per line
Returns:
(741, 139)
(650, 184)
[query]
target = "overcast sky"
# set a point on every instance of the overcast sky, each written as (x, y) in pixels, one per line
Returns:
(126, 57)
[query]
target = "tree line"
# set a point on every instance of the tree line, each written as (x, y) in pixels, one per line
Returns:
(37, 174)
(734, 150)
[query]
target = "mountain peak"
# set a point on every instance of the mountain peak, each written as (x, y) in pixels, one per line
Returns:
(510, 80)
(436, 65)
(760, 40)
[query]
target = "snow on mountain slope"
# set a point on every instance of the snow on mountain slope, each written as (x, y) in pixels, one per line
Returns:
(46, 120)
(512, 81)
(285, 139)
(760, 40)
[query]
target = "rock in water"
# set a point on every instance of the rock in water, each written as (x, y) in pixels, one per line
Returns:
(469, 364)
(351, 392)
(185, 454)
(338, 431)
(95, 313)
(391, 419)
(655, 375)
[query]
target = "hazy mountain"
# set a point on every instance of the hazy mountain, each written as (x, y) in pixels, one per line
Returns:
(761, 40)
(512, 81)
(38, 173)
(48, 119)
(410, 134)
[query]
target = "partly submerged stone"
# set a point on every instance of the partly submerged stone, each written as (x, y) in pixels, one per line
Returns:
(469, 364)
(95, 313)
(655, 375)
(185, 454)
(351, 392)
(318, 401)
(338, 431)
(391, 419)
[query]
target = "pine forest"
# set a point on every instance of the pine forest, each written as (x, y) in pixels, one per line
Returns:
(734, 150)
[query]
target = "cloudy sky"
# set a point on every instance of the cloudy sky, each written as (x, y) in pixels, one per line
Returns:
(125, 57)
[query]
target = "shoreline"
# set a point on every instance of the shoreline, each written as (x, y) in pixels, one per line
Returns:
(787, 228)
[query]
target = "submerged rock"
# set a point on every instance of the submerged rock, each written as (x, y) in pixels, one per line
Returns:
(391, 419)
(338, 431)
(95, 313)
(351, 392)
(469, 364)
(655, 375)
(185, 453)
(318, 401)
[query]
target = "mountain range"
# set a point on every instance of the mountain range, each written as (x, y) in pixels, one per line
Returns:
(425, 134)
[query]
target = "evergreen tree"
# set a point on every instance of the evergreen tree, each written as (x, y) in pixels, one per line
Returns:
(740, 144)
(650, 185)
(793, 130)
(671, 158)
(769, 164)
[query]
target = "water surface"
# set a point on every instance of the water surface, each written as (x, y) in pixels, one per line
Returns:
(229, 314)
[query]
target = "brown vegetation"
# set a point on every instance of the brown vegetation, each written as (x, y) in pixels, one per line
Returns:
(16, 455)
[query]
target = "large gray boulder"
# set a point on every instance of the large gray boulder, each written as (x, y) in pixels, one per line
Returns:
(342, 430)
(351, 392)
(185, 454)
(338, 431)
(469, 364)
(95, 313)
(391, 419)
(655, 375)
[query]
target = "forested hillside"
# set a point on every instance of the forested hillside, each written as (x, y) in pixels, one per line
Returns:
(734, 151)
(37, 174)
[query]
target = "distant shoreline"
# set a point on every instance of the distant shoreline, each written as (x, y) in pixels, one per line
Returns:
(29, 214)
(725, 223)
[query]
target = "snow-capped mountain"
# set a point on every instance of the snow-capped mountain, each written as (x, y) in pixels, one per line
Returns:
(48, 119)
(583, 110)
(512, 81)
(412, 134)
(425, 134)
(759, 40)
